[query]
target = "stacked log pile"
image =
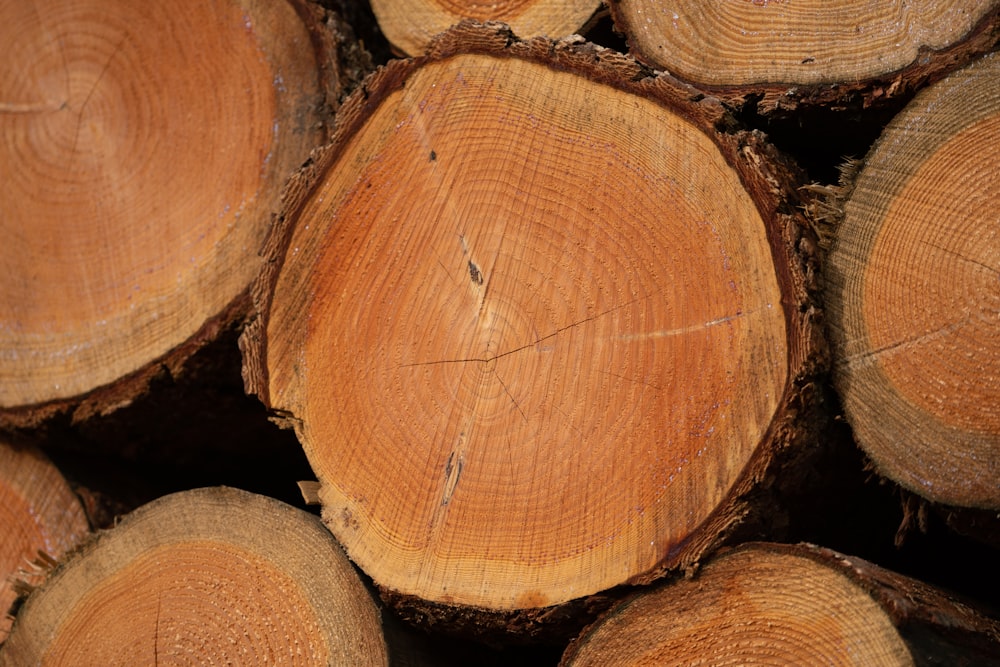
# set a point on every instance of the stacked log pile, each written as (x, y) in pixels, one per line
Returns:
(570, 341)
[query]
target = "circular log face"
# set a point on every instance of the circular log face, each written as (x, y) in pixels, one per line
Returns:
(531, 332)
(211, 576)
(142, 148)
(916, 304)
(751, 607)
(740, 42)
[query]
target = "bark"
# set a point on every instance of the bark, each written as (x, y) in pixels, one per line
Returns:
(210, 576)
(913, 301)
(539, 325)
(142, 152)
(782, 604)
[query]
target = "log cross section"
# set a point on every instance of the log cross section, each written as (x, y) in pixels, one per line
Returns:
(529, 328)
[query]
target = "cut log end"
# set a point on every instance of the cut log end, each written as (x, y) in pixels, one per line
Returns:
(794, 605)
(914, 299)
(142, 150)
(736, 42)
(807, 52)
(208, 576)
(531, 328)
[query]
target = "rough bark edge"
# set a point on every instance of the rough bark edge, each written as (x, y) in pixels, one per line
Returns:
(769, 179)
(342, 62)
(47, 566)
(920, 516)
(824, 203)
(983, 526)
(342, 58)
(518, 627)
(779, 100)
(752, 506)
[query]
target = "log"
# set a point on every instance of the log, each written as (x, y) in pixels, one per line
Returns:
(779, 55)
(142, 151)
(41, 519)
(208, 576)
(789, 605)
(410, 25)
(539, 326)
(544, 319)
(912, 298)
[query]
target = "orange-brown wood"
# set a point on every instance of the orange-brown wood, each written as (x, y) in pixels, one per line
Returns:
(411, 24)
(778, 41)
(40, 520)
(786, 49)
(535, 325)
(211, 576)
(142, 150)
(914, 301)
(768, 604)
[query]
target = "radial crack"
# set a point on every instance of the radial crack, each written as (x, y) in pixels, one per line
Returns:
(510, 396)
(156, 630)
(666, 333)
(533, 343)
(962, 258)
(30, 107)
(869, 357)
(93, 88)
(631, 379)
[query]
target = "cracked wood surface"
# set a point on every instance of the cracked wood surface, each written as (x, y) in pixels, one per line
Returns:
(534, 321)
(914, 295)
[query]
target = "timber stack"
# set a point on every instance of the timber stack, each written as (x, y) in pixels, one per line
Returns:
(572, 324)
